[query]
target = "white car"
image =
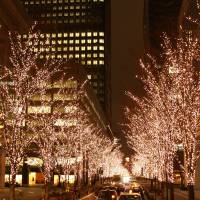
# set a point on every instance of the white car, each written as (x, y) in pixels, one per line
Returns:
(130, 196)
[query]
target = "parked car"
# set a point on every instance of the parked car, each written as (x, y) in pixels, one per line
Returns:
(130, 196)
(107, 195)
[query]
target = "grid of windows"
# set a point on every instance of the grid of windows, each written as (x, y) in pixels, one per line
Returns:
(66, 11)
(86, 46)
(73, 29)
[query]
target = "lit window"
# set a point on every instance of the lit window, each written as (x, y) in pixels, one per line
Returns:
(101, 62)
(76, 55)
(65, 48)
(71, 35)
(70, 109)
(76, 41)
(89, 76)
(101, 40)
(83, 48)
(71, 41)
(76, 48)
(89, 34)
(65, 34)
(89, 62)
(65, 122)
(101, 33)
(95, 48)
(68, 97)
(101, 48)
(82, 55)
(39, 109)
(89, 41)
(83, 41)
(89, 48)
(101, 55)
(65, 41)
(59, 34)
(95, 55)
(95, 62)
(95, 34)
(77, 34)
(83, 34)
(89, 55)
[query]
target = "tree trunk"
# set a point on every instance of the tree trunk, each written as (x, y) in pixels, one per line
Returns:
(12, 192)
(191, 192)
(151, 188)
(12, 188)
(171, 191)
(46, 189)
(166, 191)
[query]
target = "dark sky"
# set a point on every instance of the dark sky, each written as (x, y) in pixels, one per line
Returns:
(127, 47)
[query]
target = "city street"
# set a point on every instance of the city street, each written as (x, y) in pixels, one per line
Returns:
(23, 193)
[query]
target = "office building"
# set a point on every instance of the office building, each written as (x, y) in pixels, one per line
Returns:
(77, 29)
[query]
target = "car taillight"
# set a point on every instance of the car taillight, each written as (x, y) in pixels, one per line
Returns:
(113, 196)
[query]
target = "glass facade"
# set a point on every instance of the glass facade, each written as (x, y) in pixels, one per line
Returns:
(75, 29)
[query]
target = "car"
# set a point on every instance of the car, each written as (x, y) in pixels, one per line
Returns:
(130, 196)
(107, 195)
(138, 190)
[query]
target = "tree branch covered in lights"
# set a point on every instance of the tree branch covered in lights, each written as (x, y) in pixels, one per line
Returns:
(169, 114)
(24, 77)
(113, 163)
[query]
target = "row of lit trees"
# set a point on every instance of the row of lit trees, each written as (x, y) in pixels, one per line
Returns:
(169, 114)
(59, 136)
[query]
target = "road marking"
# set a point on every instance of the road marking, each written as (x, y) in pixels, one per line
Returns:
(87, 196)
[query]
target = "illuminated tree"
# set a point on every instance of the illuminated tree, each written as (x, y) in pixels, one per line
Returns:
(169, 114)
(23, 78)
(113, 163)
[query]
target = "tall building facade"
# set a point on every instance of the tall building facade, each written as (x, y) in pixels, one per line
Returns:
(77, 29)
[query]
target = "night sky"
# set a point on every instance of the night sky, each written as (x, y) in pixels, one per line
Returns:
(127, 47)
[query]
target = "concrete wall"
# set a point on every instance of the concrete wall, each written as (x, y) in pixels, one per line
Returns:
(127, 46)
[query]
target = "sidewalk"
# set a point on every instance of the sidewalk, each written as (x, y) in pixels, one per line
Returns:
(158, 195)
(37, 193)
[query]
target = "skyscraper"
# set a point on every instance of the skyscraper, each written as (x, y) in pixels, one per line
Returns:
(77, 29)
